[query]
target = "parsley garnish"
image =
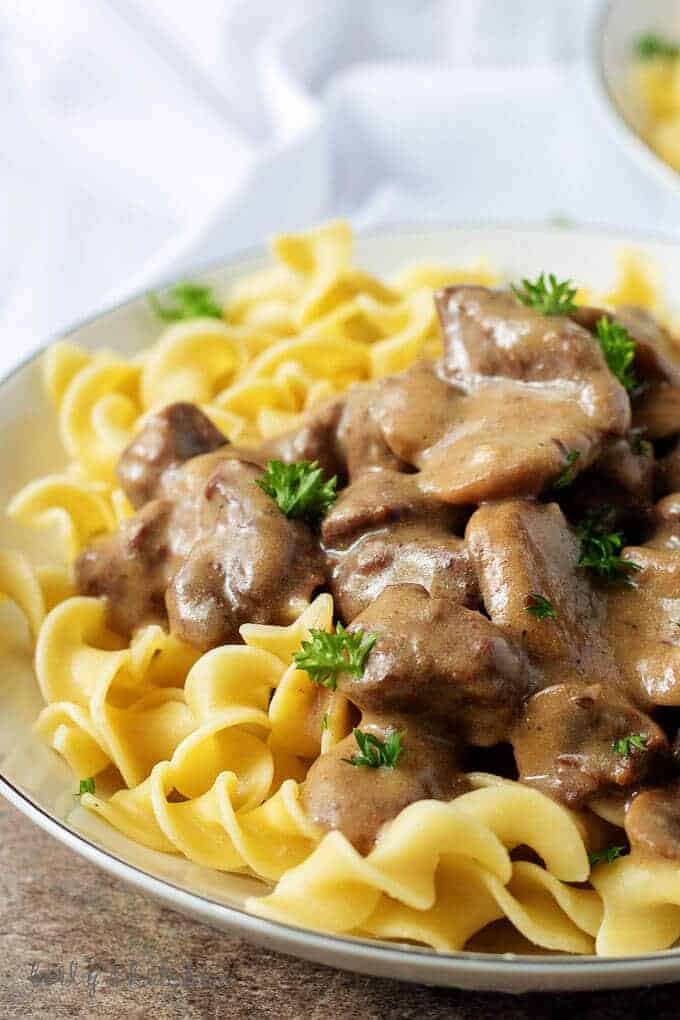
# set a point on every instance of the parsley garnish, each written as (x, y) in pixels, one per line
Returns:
(540, 607)
(626, 745)
(376, 753)
(551, 298)
(640, 447)
(609, 855)
(190, 301)
(600, 550)
(324, 721)
(618, 349)
(568, 475)
(650, 46)
(325, 656)
(86, 786)
(299, 489)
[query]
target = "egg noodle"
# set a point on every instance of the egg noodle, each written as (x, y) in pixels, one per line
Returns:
(207, 752)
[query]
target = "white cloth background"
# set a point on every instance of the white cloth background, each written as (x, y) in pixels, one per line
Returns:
(141, 136)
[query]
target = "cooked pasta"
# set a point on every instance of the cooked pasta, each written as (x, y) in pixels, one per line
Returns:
(207, 747)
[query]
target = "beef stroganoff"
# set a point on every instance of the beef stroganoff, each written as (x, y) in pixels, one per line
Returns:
(371, 592)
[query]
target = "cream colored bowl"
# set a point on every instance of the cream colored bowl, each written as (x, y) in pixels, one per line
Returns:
(618, 26)
(41, 785)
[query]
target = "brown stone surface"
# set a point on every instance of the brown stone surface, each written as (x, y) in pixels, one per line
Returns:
(57, 911)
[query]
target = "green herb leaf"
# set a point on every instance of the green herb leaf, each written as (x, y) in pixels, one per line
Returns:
(601, 550)
(651, 46)
(569, 473)
(640, 447)
(609, 855)
(325, 656)
(299, 489)
(551, 298)
(324, 721)
(626, 745)
(376, 753)
(618, 349)
(540, 607)
(190, 301)
(86, 786)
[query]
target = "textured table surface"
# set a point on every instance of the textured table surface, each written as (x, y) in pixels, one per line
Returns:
(77, 943)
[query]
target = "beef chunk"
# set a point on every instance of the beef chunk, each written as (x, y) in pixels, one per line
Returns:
(403, 554)
(380, 499)
(514, 393)
(168, 439)
(668, 470)
(642, 620)
(440, 660)
(131, 568)
(215, 552)
(358, 801)
(622, 481)
(521, 548)
(657, 411)
(652, 822)
(360, 438)
(249, 563)
(656, 354)
(383, 530)
(315, 439)
(564, 744)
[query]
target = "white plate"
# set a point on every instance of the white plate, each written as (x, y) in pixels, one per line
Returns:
(615, 31)
(39, 783)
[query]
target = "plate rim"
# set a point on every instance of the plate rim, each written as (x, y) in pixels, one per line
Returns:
(351, 950)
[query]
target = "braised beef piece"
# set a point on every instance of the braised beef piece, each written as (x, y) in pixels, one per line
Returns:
(657, 411)
(443, 677)
(668, 470)
(359, 800)
(656, 408)
(167, 439)
(215, 550)
(621, 480)
(382, 531)
(642, 621)
(656, 354)
(522, 549)
(316, 439)
(360, 439)
(514, 393)
(438, 660)
(248, 564)
(652, 822)
(131, 568)
(565, 742)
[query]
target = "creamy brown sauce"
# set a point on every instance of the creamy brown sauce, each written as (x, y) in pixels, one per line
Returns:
(446, 526)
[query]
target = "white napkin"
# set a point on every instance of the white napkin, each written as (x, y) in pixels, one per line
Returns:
(144, 136)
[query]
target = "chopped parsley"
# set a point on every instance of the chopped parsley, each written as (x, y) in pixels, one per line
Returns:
(625, 746)
(299, 489)
(619, 351)
(324, 721)
(540, 607)
(326, 655)
(189, 301)
(601, 550)
(609, 855)
(551, 298)
(376, 753)
(640, 447)
(569, 473)
(650, 46)
(86, 786)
